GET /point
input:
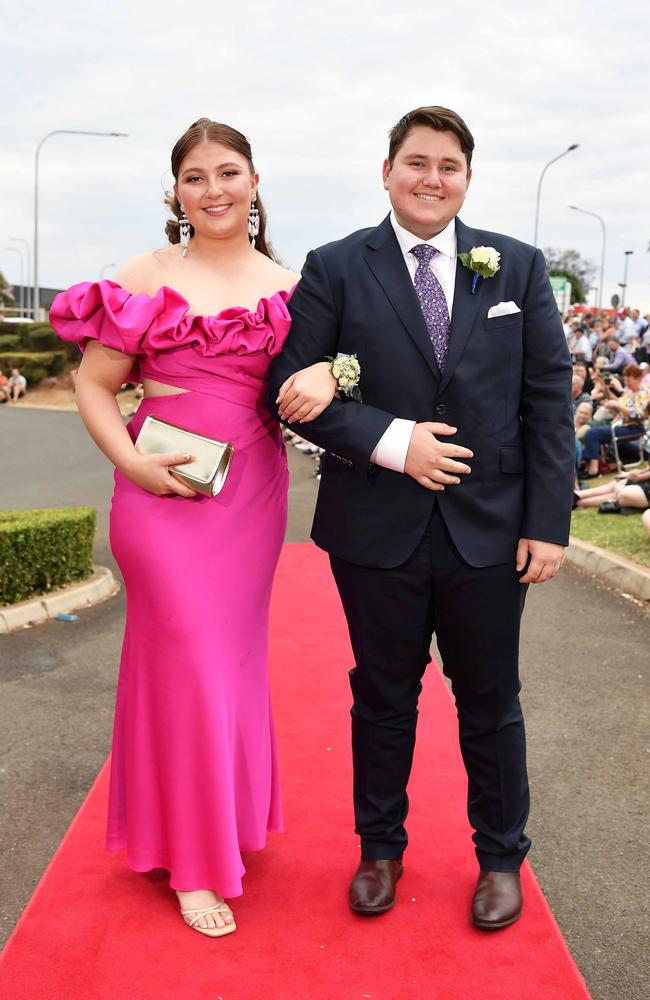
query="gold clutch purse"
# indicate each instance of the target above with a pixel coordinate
(211, 459)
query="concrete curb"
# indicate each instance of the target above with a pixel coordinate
(96, 588)
(613, 570)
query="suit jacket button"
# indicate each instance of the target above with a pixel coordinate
(441, 408)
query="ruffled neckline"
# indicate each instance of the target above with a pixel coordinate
(230, 312)
(137, 323)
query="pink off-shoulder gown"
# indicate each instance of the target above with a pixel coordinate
(194, 773)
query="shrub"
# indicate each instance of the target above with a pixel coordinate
(37, 375)
(10, 342)
(42, 339)
(41, 550)
(52, 361)
(16, 330)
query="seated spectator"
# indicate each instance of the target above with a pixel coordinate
(646, 336)
(629, 412)
(582, 418)
(4, 388)
(619, 357)
(17, 385)
(578, 392)
(596, 334)
(631, 491)
(580, 346)
(584, 371)
(573, 329)
(605, 386)
(602, 347)
(627, 329)
(640, 322)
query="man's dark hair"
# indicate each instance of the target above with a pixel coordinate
(440, 120)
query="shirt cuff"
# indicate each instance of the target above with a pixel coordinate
(393, 445)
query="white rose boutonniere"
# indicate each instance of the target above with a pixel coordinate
(483, 261)
(347, 371)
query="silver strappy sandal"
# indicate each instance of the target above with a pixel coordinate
(220, 907)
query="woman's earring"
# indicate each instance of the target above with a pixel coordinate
(253, 220)
(184, 223)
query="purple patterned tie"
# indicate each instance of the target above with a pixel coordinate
(433, 302)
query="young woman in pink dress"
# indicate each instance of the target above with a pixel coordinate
(194, 774)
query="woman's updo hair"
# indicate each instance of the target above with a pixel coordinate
(201, 131)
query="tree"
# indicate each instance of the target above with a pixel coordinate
(570, 264)
(7, 297)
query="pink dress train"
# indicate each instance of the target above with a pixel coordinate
(194, 773)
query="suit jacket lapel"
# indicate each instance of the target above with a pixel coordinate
(386, 261)
(465, 305)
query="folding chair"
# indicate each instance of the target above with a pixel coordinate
(638, 438)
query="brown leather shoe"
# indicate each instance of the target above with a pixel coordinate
(372, 889)
(497, 900)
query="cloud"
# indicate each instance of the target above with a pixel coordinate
(316, 87)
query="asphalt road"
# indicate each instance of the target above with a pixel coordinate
(584, 670)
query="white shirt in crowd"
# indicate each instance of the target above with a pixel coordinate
(581, 345)
(393, 446)
(626, 330)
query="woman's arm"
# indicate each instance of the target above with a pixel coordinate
(101, 373)
(304, 396)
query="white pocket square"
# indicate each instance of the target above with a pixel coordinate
(503, 309)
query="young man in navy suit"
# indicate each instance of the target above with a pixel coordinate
(446, 489)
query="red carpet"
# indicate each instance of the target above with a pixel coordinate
(96, 931)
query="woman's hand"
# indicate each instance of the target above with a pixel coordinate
(305, 395)
(151, 473)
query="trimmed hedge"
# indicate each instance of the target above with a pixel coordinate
(10, 342)
(43, 549)
(42, 339)
(32, 365)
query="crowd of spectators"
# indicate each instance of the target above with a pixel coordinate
(611, 400)
(306, 447)
(12, 387)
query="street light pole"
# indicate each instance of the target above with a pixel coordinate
(28, 269)
(59, 131)
(602, 255)
(539, 185)
(21, 305)
(628, 254)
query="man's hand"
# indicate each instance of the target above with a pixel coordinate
(432, 463)
(546, 558)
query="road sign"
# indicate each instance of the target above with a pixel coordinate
(562, 291)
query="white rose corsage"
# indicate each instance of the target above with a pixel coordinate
(347, 371)
(483, 261)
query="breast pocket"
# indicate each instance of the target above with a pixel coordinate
(512, 320)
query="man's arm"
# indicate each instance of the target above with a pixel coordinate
(546, 414)
(346, 428)
(350, 431)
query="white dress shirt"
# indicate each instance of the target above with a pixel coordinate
(393, 446)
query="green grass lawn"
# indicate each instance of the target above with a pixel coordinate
(617, 533)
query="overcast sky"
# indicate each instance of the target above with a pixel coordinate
(316, 88)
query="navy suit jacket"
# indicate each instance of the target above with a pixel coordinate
(506, 387)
